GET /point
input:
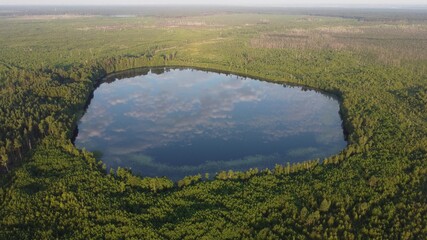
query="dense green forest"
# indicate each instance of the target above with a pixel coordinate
(375, 62)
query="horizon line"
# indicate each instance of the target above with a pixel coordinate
(348, 6)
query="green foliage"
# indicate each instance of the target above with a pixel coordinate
(188, 180)
(375, 188)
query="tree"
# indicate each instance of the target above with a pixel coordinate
(4, 161)
(17, 145)
(324, 205)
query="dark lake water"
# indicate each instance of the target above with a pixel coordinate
(178, 122)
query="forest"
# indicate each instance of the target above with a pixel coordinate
(375, 62)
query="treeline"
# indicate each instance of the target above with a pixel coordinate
(35, 104)
(92, 203)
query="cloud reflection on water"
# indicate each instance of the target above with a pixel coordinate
(133, 115)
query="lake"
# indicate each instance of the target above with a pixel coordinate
(178, 122)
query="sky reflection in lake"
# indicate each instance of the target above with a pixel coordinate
(181, 121)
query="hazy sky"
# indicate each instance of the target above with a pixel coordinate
(216, 2)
